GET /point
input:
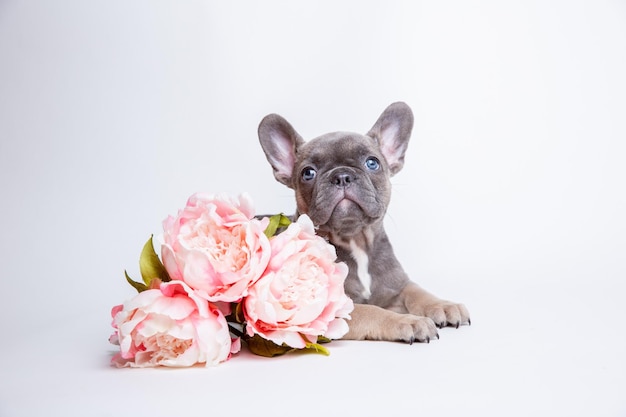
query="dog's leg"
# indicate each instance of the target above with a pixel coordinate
(444, 313)
(370, 322)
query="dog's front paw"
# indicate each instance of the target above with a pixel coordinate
(410, 328)
(445, 313)
(370, 322)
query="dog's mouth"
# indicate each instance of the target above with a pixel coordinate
(345, 210)
(344, 201)
(347, 207)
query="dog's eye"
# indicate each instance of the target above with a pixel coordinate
(308, 173)
(372, 164)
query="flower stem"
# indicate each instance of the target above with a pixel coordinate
(236, 331)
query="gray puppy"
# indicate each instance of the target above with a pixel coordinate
(342, 182)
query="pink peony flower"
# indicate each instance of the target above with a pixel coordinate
(170, 326)
(216, 246)
(301, 295)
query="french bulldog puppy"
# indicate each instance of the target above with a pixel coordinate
(342, 182)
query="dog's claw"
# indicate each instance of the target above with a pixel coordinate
(427, 339)
(437, 336)
(411, 340)
(469, 322)
(458, 323)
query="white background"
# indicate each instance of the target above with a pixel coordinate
(512, 199)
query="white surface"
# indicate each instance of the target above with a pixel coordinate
(512, 199)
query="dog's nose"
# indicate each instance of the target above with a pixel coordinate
(343, 179)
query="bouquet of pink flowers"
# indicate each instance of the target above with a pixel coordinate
(225, 276)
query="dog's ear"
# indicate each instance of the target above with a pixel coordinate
(392, 131)
(280, 143)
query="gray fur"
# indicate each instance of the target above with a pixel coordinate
(347, 200)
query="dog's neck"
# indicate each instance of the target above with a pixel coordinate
(359, 247)
(363, 237)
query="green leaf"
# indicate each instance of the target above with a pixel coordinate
(139, 286)
(269, 349)
(276, 221)
(264, 347)
(317, 348)
(150, 265)
(284, 221)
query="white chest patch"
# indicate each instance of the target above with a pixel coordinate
(362, 268)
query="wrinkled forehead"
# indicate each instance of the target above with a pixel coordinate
(336, 147)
